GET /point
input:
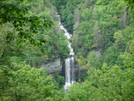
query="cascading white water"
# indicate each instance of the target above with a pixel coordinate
(67, 74)
(69, 62)
(72, 70)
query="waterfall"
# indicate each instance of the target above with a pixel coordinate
(69, 62)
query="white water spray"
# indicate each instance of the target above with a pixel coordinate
(69, 62)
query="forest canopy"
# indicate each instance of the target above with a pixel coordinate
(102, 39)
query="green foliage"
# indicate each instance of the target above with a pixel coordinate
(25, 34)
(86, 13)
(102, 25)
(106, 27)
(59, 81)
(67, 11)
(25, 25)
(105, 84)
(94, 60)
(97, 26)
(21, 82)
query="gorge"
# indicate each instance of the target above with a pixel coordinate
(93, 63)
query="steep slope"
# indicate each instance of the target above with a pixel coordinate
(103, 39)
(97, 25)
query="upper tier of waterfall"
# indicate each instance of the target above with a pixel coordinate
(67, 35)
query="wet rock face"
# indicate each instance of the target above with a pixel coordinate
(53, 66)
(62, 72)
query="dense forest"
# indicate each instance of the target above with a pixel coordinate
(102, 39)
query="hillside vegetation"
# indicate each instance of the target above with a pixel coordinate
(103, 42)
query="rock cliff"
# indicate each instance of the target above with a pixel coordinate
(53, 66)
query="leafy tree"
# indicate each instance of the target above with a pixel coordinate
(94, 59)
(22, 28)
(86, 14)
(107, 83)
(105, 26)
(19, 18)
(59, 81)
(21, 82)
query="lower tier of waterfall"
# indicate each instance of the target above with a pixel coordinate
(69, 72)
